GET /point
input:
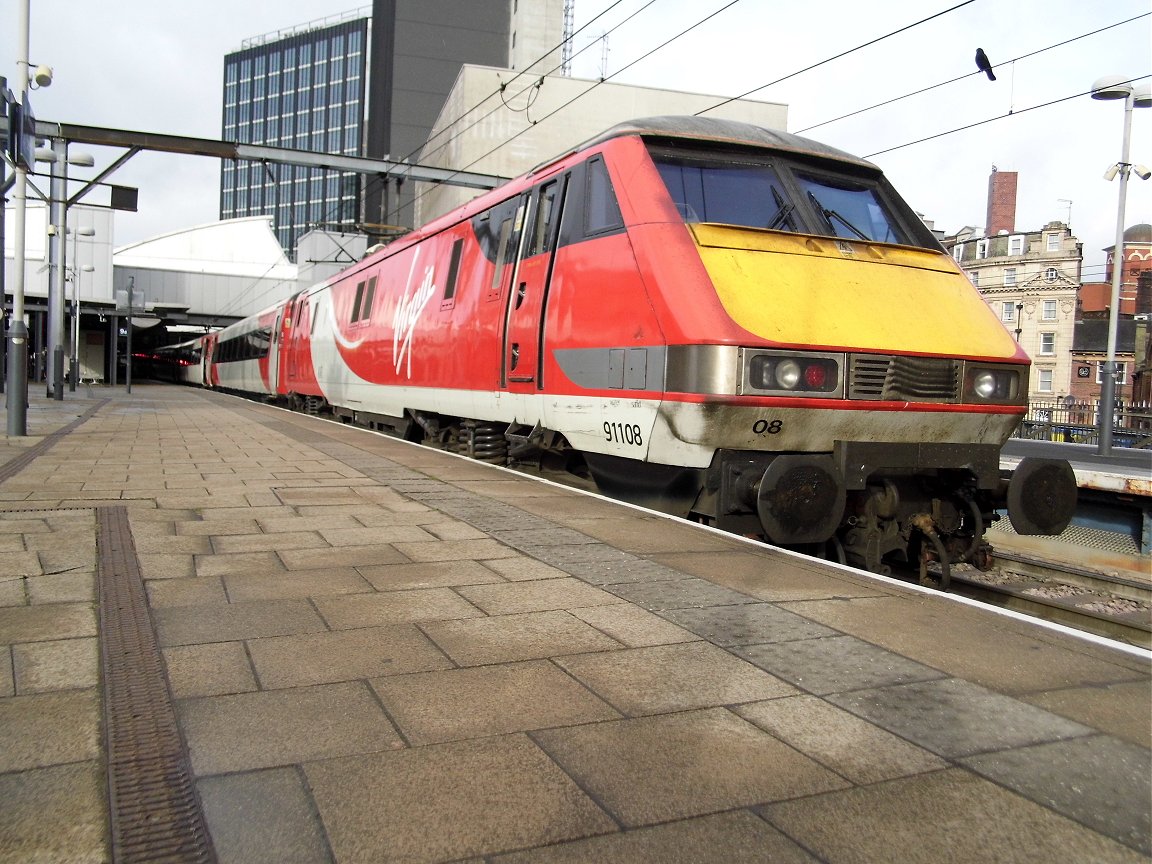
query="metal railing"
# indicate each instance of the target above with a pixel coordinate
(1078, 422)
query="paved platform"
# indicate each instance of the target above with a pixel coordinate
(378, 652)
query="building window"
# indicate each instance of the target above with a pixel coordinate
(1121, 372)
(1016, 245)
(1047, 344)
(1052, 242)
(981, 249)
(974, 277)
(1009, 275)
(1007, 311)
(1051, 274)
(958, 251)
(1049, 310)
(1043, 380)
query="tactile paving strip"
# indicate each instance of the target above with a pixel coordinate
(14, 466)
(154, 812)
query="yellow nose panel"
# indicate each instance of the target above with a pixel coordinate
(820, 291)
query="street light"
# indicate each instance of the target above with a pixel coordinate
(57, 253)
(17, 425)
(1108, 88)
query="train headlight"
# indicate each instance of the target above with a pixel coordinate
(997, 384)
(787, 374)
(793, 373)
(984, 384)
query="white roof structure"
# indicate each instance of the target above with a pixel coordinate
(231, 247)
(234, 267)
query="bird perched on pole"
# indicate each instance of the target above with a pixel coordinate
(983, 64)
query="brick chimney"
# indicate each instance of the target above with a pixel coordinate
(1001, 203)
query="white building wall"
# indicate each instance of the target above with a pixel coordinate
(477, 119)
(94, 251)
(534, 35)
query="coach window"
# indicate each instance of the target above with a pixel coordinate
(601, 211)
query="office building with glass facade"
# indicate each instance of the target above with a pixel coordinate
(305, 91)
(362, 86)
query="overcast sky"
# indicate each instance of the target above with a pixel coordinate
(157, 67)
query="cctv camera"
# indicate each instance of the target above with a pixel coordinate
(42, 77)
(1111, 173)
(1142, 172)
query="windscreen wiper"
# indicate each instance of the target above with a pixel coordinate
(783, 212)
(829, 215)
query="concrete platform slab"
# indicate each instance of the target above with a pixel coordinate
(434, 707)
(651, 770)
(666, 678)
(1066, 777)
(930, 818)
(263, 817)
(243, 731)
(955, 718)
(436, 803)
(734, 838)
(507, 638)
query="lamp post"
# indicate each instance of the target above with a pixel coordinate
(74, 370)
(17, 329)
(57, 255)
(1109, 88)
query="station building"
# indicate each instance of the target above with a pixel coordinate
(1029, 278)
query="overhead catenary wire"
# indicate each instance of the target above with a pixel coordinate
(1013, 113)
(499, 92)
(836, 57)
(969, 74)
(594, 85)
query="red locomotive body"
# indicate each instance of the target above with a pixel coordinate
(734, 324)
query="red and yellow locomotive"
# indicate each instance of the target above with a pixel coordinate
(737, 325)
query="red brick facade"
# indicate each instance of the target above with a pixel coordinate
(1001, 203)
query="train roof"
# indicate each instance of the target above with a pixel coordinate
(688, 128)
(727, 131)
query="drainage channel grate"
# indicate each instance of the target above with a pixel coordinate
(154, 812)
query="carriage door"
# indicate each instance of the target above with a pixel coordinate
(290, 349)
(524, 321)
(276, 341)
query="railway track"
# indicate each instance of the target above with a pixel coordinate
(1112, 606)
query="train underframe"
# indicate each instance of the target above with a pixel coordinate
(869, 505)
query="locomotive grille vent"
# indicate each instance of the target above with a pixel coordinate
(904, 379)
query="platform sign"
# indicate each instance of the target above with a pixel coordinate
(7, 104)
(21, 133)
(124, 198)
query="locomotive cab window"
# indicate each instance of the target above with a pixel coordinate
(727, 192)
(850, 209)
(601, 211)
